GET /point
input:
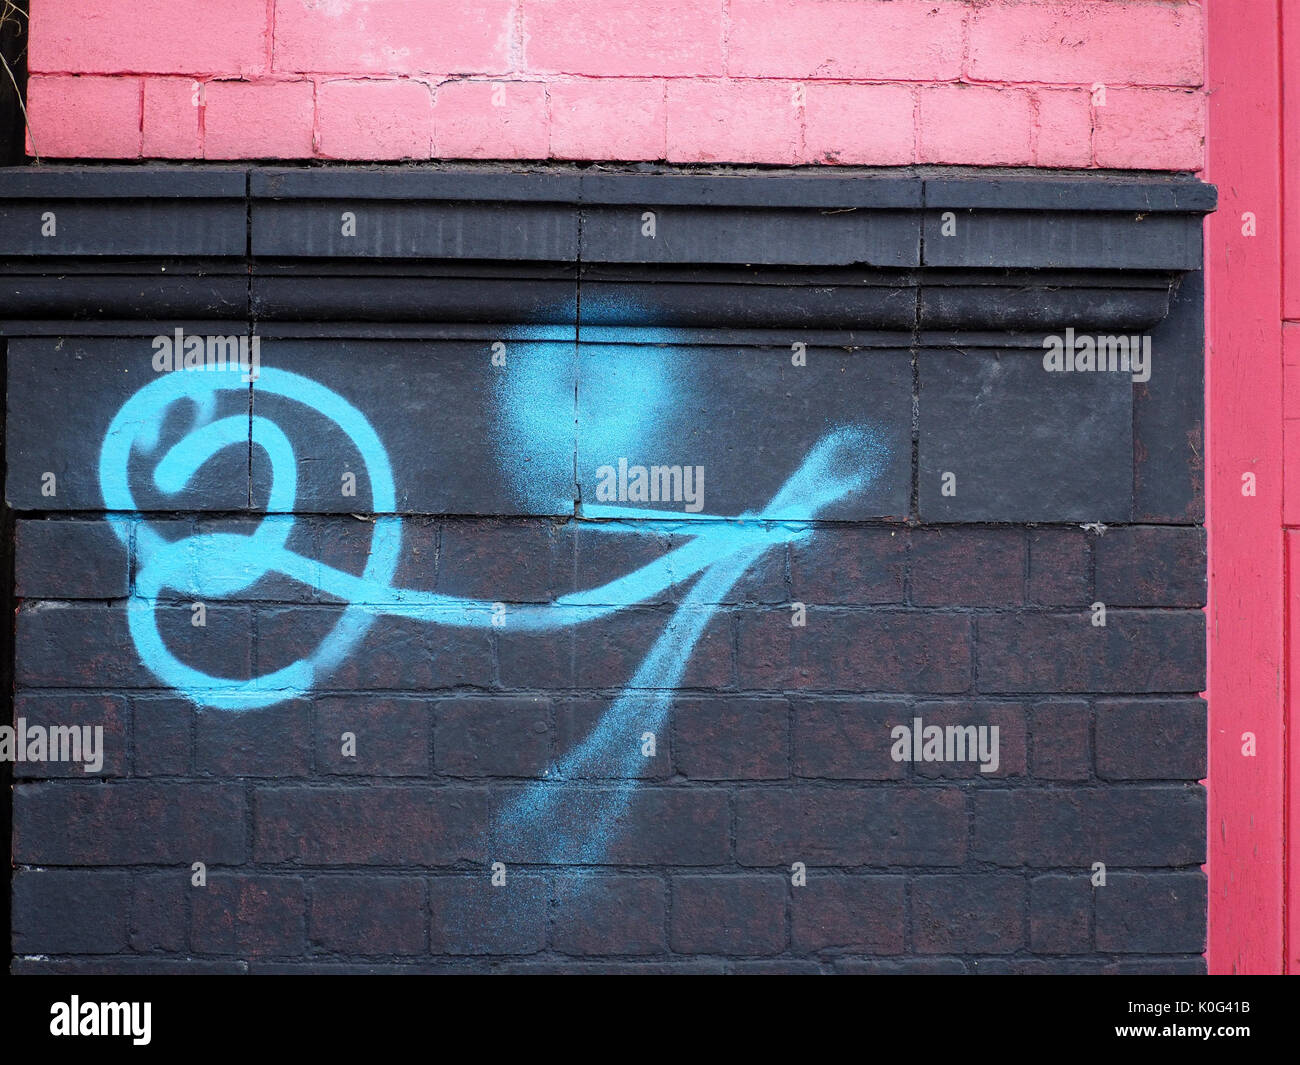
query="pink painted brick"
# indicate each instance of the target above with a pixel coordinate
(608, 118)
(374, 120)
(1156, 129)
(623, 38)
(914, 40)
(1064, 128)
(468, 125)
(149, 36)
(874, 125)
(733, 122)
(1085, 41)
(393, 36)
(171, 118)
(84, 117)
(975, 125)
(258, 120)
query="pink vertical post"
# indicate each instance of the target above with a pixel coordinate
(1247, 603)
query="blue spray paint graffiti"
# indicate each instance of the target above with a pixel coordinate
(569, 824)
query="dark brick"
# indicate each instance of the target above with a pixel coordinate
(68, 560)
(461, 657)
(1169, 413)
(158, 912)
(470, 916)
(743, 915)
(164, 736)
(968, 567)
(611, 650)
(1060, 914)
(275, 742)
(395, 654)
(777, 967)
(968, 914)
(1135, 651)
(1152, 913)
(863, 913)
(1059, 567)
(393, 735)
(128, 822)
(900, 967)
(373, 968)
(656, 825)
(847, 739)
(617, 968)
(251, 916)
(63, 393)
(382, 825)
(538, 660)
(611, 915)
(1158, 967)
(694, 403)
(1151, 739)
(83, 645)
(368, 915)
(1038, 967)
(850, 826)
(1062, 740)
(224, 556)
(1024, 444)
(1076, 827)
(576, 720)
(498, 561)
(591, 555)
(1007, 718)
(732, 739)
(1151, 566)
(52, 710)
(479, 461)
(344, 542)
(128, 966)
(842, 565)
(497, 737)
(838, 650)
(70, 911)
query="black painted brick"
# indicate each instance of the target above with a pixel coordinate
(68, 560)
(1150, 913)
(968, 914)
(1148, 826)
(375, 915)
(968, 567)
(129, 822)
(248, 916)
(393, 735)
(732, 739)
(861, 913)
(611, 915)
(1136, 651)
(65, 911)
(470, 916)
(1151, 566)
(492, 737)
(1060, 914)
(1151, 739)
(841, 650)
(737, 915)
(850, 826)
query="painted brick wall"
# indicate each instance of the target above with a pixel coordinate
(1057, 83)
(775, 747)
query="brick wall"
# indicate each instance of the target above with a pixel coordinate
(1060, 83)
(775, 747)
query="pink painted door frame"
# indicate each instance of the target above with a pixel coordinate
(1253, 422)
